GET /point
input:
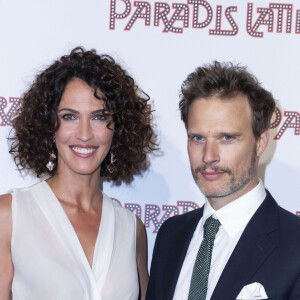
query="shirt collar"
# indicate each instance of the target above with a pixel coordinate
(235, 215)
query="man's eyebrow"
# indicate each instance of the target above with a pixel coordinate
(233, 134)
(191, 135)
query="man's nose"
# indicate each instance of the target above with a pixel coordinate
(211, 152)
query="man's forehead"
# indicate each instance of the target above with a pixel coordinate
(238, 100)
(229, 97)
(214, 111)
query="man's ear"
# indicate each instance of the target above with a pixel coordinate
(262, 142)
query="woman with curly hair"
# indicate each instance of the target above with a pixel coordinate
(62, 238)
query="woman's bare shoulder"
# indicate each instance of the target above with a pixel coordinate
(5, 212)
(5, 204)
(6, 265)
(6, 197)
(141, 257)
(5, 221)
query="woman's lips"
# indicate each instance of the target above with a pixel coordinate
(83, 151)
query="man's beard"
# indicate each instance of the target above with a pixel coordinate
(235, 184)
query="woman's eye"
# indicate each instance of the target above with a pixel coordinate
(68, 117)
(100, 117)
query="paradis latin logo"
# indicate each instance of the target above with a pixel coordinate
(288, 120)
(8, 109)
(155, 215)
(220, 19)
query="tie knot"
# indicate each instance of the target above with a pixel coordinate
(211, 227)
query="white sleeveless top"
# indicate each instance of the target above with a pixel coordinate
(49, 262)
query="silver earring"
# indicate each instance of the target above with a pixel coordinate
(111, 167)
(51, 163)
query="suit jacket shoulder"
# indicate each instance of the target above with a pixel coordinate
(289, 221)
(171, 245)
(268, 253)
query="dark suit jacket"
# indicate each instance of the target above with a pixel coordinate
(268, 252)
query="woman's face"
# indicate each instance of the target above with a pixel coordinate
(83, 139)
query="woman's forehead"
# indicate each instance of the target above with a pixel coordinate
(79, 94)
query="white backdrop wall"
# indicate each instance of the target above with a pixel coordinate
(160, 43)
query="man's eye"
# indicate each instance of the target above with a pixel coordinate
(68, 117)
(227, 138)
(198, 138)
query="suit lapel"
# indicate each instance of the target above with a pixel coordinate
(255, 245)
(178, 250)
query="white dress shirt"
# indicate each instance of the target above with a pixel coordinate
(234, 218)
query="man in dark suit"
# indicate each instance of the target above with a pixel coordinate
(240, 244)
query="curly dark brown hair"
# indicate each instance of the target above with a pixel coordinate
(226, 80)
(37, 120)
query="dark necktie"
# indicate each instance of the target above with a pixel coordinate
(199, 281)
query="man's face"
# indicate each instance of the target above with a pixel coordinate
(222, 149)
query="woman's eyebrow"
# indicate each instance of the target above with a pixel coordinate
(98, 111)
(69, 109)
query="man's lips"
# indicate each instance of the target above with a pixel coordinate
(213, 175)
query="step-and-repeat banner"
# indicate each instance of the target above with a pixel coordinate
(160, 43)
